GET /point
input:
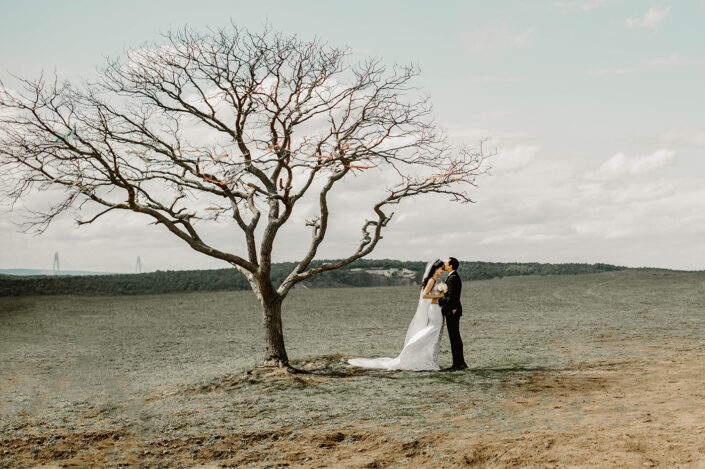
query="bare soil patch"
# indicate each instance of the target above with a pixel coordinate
(638, 413)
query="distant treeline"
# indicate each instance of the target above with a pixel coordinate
(172, 281)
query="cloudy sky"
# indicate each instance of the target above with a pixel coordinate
(595, 107)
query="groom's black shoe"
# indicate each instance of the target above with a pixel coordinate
(457, 368)
(450, 368)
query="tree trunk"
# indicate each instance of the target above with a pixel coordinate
(275, 352)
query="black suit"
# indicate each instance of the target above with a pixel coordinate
(450, 302)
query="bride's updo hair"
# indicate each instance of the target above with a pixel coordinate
(437, 264)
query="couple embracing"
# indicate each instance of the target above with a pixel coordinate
(439, 303)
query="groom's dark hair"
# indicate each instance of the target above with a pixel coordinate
(453, 263)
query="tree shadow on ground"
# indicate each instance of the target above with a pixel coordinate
(322, 370)
(336, 366)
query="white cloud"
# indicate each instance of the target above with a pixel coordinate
(601, 72)
(674, 60)
(8, 95)
(527, 234)
(493, 79)
(515, 158)
(544, 210)
(642, 192)
(652, 19)
(584, 5)
(621, 164)
(138, 58)
(660, 208)
(499, 113)
(361, 51)
(493, 138)
(687, 136)
(495, 39)
(670, 61)
(596, 228)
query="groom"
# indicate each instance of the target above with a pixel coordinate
(452, 310)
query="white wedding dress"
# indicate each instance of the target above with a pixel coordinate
(422, 343)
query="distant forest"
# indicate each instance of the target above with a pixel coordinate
(362, 273)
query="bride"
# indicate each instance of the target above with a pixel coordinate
(423, 338)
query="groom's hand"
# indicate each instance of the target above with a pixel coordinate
(454, 311)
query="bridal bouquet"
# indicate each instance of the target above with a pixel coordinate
(443, 288)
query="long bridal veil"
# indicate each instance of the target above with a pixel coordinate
(420, 319)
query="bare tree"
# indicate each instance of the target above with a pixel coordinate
(230, 123)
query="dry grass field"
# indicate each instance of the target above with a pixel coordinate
(598, 370)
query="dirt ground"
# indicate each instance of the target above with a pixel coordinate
(636, 413)
(602, 370)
